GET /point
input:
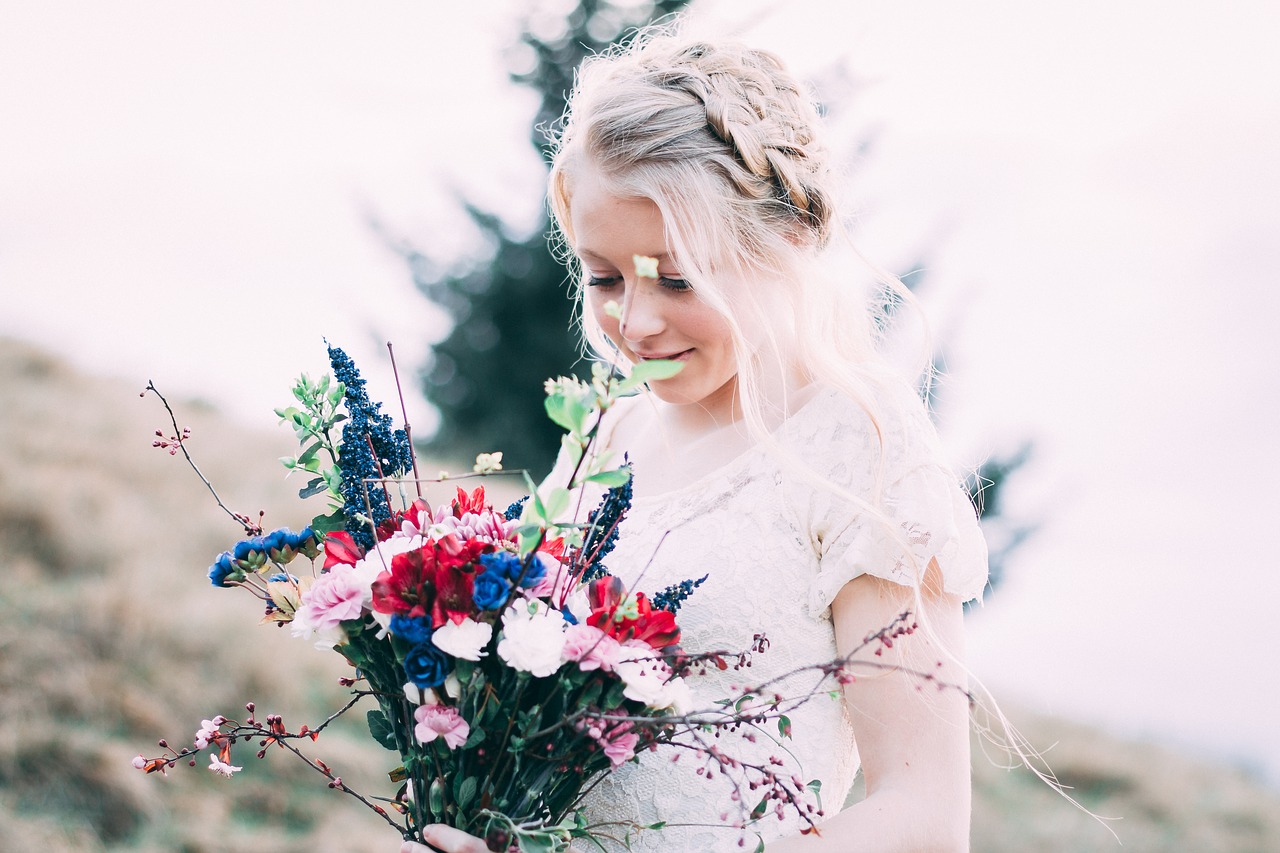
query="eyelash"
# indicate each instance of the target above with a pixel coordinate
(677, 285)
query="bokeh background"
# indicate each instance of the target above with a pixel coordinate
(1083, 195)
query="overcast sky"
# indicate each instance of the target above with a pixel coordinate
(185, 192)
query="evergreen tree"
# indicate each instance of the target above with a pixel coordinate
(512, 313)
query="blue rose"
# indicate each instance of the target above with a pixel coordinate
(221, 569)
(426, 666)
(413, 630)
(490, 591)
(510, 566)
(533, 574)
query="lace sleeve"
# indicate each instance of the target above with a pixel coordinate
(922, 512)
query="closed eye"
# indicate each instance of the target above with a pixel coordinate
(603, 281)
(676, 284)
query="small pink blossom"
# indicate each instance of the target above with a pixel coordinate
(139, 763)
(617, 739)
(221, 767)
(441, 721)
(208, 731)
(590, 647)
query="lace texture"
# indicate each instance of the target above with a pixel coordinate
(777, 550)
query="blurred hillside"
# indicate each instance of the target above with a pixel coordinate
(110, 637)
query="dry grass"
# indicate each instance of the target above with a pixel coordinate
(111, 637)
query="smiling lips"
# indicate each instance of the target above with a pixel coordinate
(678, 356)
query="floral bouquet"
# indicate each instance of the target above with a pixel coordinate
(509, 670)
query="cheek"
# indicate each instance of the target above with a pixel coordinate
(595, 303)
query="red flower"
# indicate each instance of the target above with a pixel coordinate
(432, 580)
(629, 617)
(473, 502)
(340, 548)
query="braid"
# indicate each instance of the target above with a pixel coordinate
(734, 108)
(754, 106)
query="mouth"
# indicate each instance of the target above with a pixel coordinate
(682, 355)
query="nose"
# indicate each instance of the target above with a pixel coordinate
(641, 313)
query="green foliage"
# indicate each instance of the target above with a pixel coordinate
(512, 315)
(314, 423)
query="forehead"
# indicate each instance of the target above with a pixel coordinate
(607, 225)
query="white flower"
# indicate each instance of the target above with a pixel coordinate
(487, 463)
(532, 638)
(646, 267)
(221, 767)
(464, 640)
(420, 695)
(452, 686)
(650, 681)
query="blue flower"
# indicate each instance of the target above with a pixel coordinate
(491, 589)
(509, 566)
(221, 569)
(413, 630)
(426, 666)
(245, 548)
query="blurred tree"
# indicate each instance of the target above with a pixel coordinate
(511, 313)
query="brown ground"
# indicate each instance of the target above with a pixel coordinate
(110, 637)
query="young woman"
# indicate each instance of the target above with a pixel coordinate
(786, 461)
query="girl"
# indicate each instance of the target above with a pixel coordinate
(786, 461)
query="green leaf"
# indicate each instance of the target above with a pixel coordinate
(322, 524)
(815, 786)
(784, 726)
(381, 729)
(313, 487)
(567, 413)
(474, 739)
(557, 502)
(465, 792)
(612, 479)
(648, 371)
(760, 809)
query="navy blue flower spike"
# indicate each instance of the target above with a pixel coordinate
(366, 425)
(673, 596)
(602, 529)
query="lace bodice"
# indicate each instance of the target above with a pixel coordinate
(776, 550)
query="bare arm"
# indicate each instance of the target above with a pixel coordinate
(913, 738)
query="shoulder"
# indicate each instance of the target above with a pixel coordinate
(863, 434)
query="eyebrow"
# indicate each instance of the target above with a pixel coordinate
(587, 253)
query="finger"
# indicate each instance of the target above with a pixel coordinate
(411, 847)
(451, 840)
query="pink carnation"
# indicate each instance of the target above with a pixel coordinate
(336, 596)
(554, 581)
(441, 721)
(590, 647)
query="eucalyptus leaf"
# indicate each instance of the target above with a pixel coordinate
(612, 479)
(648, 371)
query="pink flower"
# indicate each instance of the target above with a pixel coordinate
(336, 596)
(441, 721)
(139, 762)
(222, 768)
(617, 739)
(554, 581)
(620, 744)
(590, 647)
(208, 731)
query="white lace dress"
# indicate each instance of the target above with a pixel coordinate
(777, 550)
